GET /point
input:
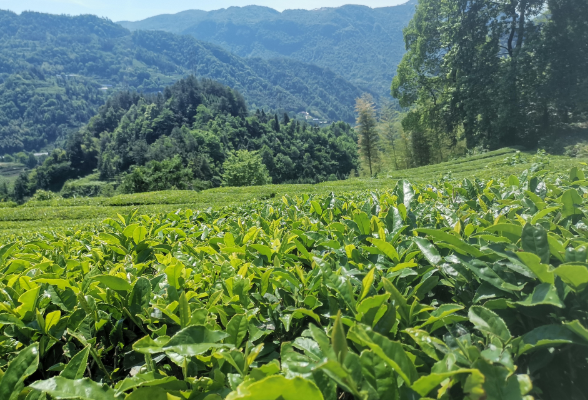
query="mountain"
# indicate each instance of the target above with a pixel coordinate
(55, 71)
(362, 44)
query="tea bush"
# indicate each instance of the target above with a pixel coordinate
(473, 289)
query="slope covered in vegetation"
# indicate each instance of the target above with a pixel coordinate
(55, 72)
(184, 137)
(362, 44)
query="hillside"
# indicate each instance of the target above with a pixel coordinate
(55, 71)
(183, 138)
(362, 44)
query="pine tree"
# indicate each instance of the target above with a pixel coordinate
(366, 129)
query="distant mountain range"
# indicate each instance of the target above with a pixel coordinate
(55, 71)
(362, 44)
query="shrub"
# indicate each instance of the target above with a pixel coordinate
(158, 175)
(43, 195)
(245, 168)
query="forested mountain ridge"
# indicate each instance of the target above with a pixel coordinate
(183, 138)
(55, 71)
(362, 44)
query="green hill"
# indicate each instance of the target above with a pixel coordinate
(183, 138)
(362, 44)
(55, 71)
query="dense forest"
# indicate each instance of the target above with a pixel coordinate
(494, 74)
(55, 72)
(189, 137)
(362, 44)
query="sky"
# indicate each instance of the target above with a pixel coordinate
(134, 10)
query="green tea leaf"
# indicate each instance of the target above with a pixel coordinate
(28, 301)
(556, 248)
(429, 344)
(452, 239)
(425, 384)
(237, 329)
(571, 201)
(548, 335)
(76, 367)
(385, 248)
(114, 282)
(150, 393)
(83, 389)
(534, 240)
(544, 293)
(489, 322)
(428, 250)
(405, 192)
(543, 213)
(316, 207)
(195, 340)
(533, 262)
(391, 352)
(363, 222)
(443, 311)
(185, 314)
(578, 329)
(9, 319)
(263, 250)
(398, 298)
(51, 320)
(339, 339)
(139, 234)
(147, 345)
(366, 284)
(277, 387)
(510, 231)
(574, 274)
(378, 376)
(20, 368)
(140, 295)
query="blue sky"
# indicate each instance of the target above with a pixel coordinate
(134, 10)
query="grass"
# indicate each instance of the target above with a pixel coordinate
(75, 213)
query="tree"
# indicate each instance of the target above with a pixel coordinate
(21, 187)
(31, 161)
(158, 175)
(390, 128)
(366, 129)
(495, 73)
(245, 168)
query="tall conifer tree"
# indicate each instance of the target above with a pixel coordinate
(367, 132)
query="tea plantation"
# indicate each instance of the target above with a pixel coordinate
(465, 280)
